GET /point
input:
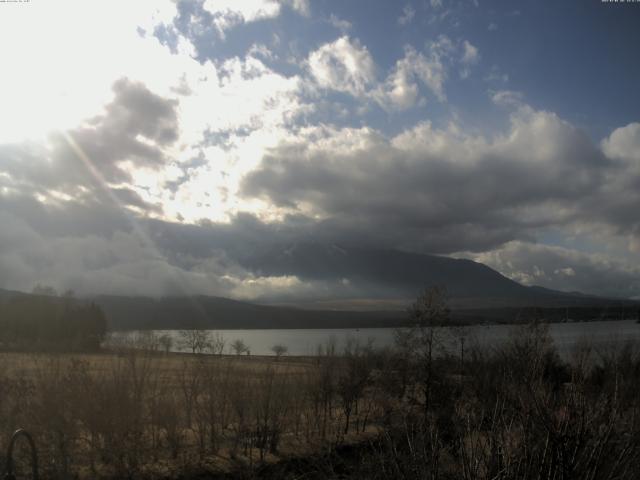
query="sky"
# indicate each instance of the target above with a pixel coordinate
(162, 147)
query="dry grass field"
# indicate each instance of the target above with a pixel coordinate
(135, 413)
(515, 412)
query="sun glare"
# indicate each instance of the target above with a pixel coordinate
(58, 65)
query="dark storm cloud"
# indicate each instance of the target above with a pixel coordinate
(101, 250)
(437, 191)
(127, 196)
(356, 200)
(621, 205)
(134, 128)
(73, 218)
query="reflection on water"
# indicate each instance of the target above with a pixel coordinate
(601, 334)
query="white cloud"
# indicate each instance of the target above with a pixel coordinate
(241, 100)
(470, 57)
(230, 13)
(301, 6)
(537, 264)
(260, 49)
(624, 143)
(506, 98)
(400, 89)
(496, 76)
(566, 271)
(408, 12)
(248, 110)
(347, 66)
(431, 69)
(457, 188)
(621, 188)
(343, 65)
(343, 25)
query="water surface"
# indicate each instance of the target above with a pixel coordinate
(601, 334)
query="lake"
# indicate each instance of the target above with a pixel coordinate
(601, 334)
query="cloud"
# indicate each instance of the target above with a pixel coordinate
(423, 188)
(136, 130)
(227, 14)
(69, 76)
(347, 66)
(564, 269)
(507, 98)
(343, 25)
(470, 57)
(159, 120)
(343, 65)
(401, 89)
(619, 196)
(408, 12)
(120, 258)
(496, 76)
(169, 149)
(195, 27)
(624, 143)
(301, 6)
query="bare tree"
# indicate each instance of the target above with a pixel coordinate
(239, 347)
(166, 342)
(146, 340)
(217, 344)
(195, 340)
(353, 378)
(428, 312)
(460, 334)
(279, 350)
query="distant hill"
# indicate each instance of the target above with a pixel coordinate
(215, 312)
(401, 273)
(476, 293)
(127, 313)
(9, 293)
(397, 274)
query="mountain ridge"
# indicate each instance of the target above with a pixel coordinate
(476, 293)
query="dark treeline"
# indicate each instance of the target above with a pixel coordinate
(166, 313)
(203, 312)
(621, 311)
(42, 322)
(140, 313)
